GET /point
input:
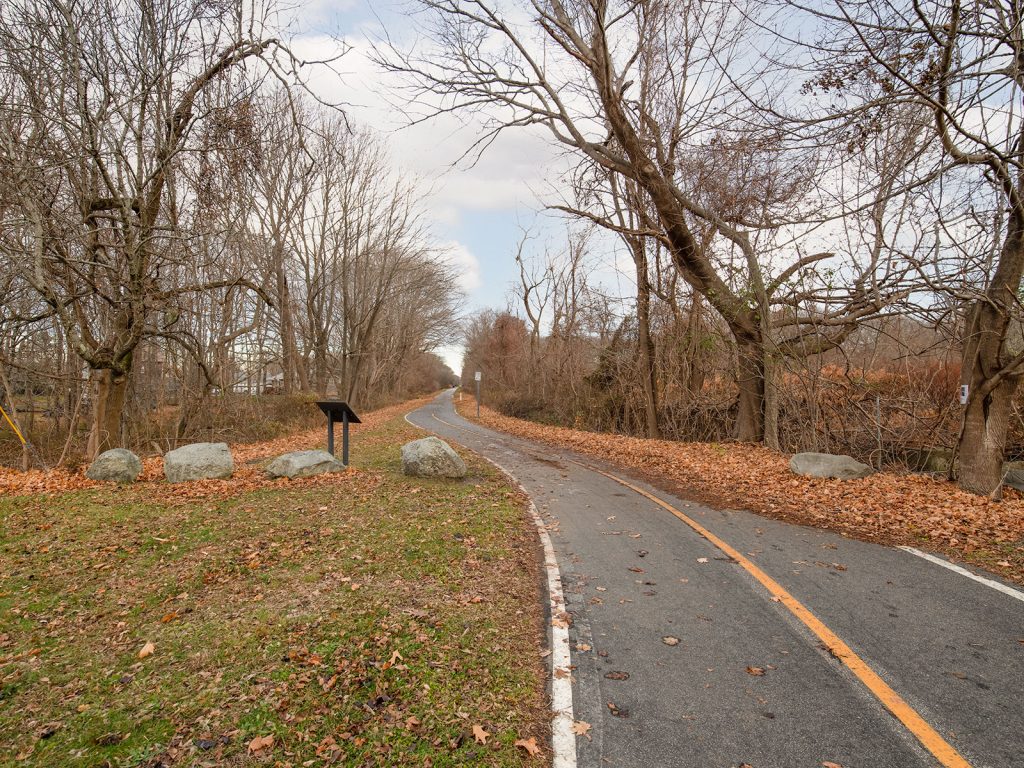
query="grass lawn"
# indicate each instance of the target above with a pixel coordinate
(372, 620)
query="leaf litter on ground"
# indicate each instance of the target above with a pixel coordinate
(312, 619)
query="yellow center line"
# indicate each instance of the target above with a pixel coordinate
(930, 739)
(923, 732)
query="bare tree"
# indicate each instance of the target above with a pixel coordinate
(103, 99)
(959, 63)
(651, 92)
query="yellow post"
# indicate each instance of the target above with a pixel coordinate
(13, 425)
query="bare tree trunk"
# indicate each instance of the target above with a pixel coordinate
(695, 347)
(109, 390)
(287, 328)
(983, 440)
(993, 379)
(771, 401)
(750, 402)
(648, 373)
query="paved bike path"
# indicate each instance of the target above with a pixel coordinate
(634, 574)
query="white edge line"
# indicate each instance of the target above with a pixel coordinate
(563, 742)
(1018, 595)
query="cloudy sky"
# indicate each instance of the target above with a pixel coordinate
(478, 211)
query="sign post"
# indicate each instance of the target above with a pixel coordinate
(338, 411)
(477, 378)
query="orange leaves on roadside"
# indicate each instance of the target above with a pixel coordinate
(886, 507)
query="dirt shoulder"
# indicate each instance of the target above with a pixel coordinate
(888, 508)
(364, 619)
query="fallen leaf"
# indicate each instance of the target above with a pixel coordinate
(755, 671)
(828, 764)
(147, 650)
(669, 640)
(530, 745)
(581, 728)
(702, 559)
(260, 743)
(480, 734)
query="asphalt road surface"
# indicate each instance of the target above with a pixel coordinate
(751, 680)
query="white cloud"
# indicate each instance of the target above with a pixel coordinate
(465, 263)
(516, 168)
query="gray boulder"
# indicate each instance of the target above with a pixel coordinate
(828, 465)
(118, 465)
(199, 461)
(431, 457)
(1013, 475)
(303, 464)
(929, 459)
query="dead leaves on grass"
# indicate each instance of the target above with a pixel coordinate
(529, 745)
(248, 473)
(260, 743)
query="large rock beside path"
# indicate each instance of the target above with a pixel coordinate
(829, 465)
(199, 461)
(303, 464)
(1013, 475)
(431, 457)
(118, 465)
